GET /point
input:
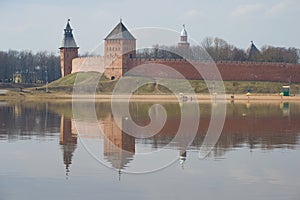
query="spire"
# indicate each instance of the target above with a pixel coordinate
(68, 30)
(68, 40)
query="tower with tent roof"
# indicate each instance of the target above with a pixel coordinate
(253, 52)
(68, 50)
(119, 48)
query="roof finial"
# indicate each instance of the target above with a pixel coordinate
(121, 19)
(69, 20)
(251, 41)
(183, 26)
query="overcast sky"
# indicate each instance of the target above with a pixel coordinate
(38, 24)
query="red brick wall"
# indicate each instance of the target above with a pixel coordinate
(230, 71)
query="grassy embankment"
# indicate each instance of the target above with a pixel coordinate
(106, 86)
(63, 87)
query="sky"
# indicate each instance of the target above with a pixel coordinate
(38, 25)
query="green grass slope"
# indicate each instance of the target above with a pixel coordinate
(88, 80)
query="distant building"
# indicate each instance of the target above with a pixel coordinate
(17, 78)
(25, 77)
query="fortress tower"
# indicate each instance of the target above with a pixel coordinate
(253, 52)
(183, 39)
(119, 48)
(68, 51)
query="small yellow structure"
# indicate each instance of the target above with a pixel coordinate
(17, 78)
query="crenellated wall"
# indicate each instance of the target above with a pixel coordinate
(254, 71)
(230, 71)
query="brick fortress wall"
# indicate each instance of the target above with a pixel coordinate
(85, 64)
(230, 71)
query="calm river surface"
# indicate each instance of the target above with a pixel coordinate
(46, 154)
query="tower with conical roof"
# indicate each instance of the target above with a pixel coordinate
(68, 50)
(183, 43)
(253, 53)
(119, 48)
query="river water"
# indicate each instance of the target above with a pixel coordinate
(46, 153)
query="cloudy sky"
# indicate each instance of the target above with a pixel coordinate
(38, 24)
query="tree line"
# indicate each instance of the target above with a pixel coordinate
(30, 67)
(218, 49)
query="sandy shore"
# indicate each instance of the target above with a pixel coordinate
(149, 98)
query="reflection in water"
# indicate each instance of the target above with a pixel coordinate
(285, 107)
(182, 157)
(68, 141)
(257, 126)
(20, 121)
(38, 145)
(264, 126)
(119, 147)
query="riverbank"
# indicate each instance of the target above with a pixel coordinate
(60, 96)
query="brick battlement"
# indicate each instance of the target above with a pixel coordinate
(230, 70)
(137, 60)
(89, 57)
(256, 63)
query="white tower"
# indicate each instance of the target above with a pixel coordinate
(183, 39)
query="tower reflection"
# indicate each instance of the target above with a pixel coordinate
(119, 147)
(68, 141)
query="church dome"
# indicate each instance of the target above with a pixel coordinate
(183, 32)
